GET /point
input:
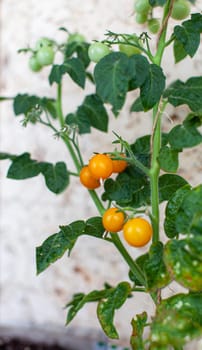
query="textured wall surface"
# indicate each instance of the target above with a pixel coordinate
(29, 212)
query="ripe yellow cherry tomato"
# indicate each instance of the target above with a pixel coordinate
(113, 220)
(87, 179)
(100, 166)
(119, 165)
(137, 232)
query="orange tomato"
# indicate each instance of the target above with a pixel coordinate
(137, 232)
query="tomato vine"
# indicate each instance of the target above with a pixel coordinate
(135, 178)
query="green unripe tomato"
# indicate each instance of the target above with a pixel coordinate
(142, 6)
(181, 9)
(76, 37)
(43, 42)
(141, 18)
(45, 56)
(97, 51)
(34, 64)
(130, 50)
(153, 25)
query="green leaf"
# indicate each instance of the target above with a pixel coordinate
(189, 215)
(137, 106)
(97, 113)
(49, 105)
(80, 49)
(187, 134)
(168, 184)
(185, 262)
(56, 176)
(153, 267)
(57, 244)
(141, 145)
(152, 89)
(188, 34)
(168, 159)
(140, 261)
(179, 51)
(51, 250)
(189, 93)
(23, 103)
(80, 299)
(78, 120)
(94, 111)
(4, 155)
(178, 319)
(138, 324)
(172, 209)
(106, 308)
(129, 188)
(23, 167)
(74, 67)
(140, 68)
(112, 74)
(91, 113)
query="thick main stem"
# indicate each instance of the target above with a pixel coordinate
(156, 135)
(154, 173)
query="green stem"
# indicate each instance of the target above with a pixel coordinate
(156, 134)
(59, 105)
(101, 209)
(162, 36)
(154, 173)
(131, 263)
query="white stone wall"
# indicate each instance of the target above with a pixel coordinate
(29, 212)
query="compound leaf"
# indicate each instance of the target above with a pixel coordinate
(184, 312)
(183, 259)
(106, 308)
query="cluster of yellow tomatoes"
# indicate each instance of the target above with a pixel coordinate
(137, 231)
(100, 167)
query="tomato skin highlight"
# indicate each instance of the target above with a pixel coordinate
(87, 180)
(100, 166)
(113, 220)
(137, 232)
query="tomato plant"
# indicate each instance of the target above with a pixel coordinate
(113, 220)
(143, 200)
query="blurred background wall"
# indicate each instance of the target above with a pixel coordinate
(29, 212)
